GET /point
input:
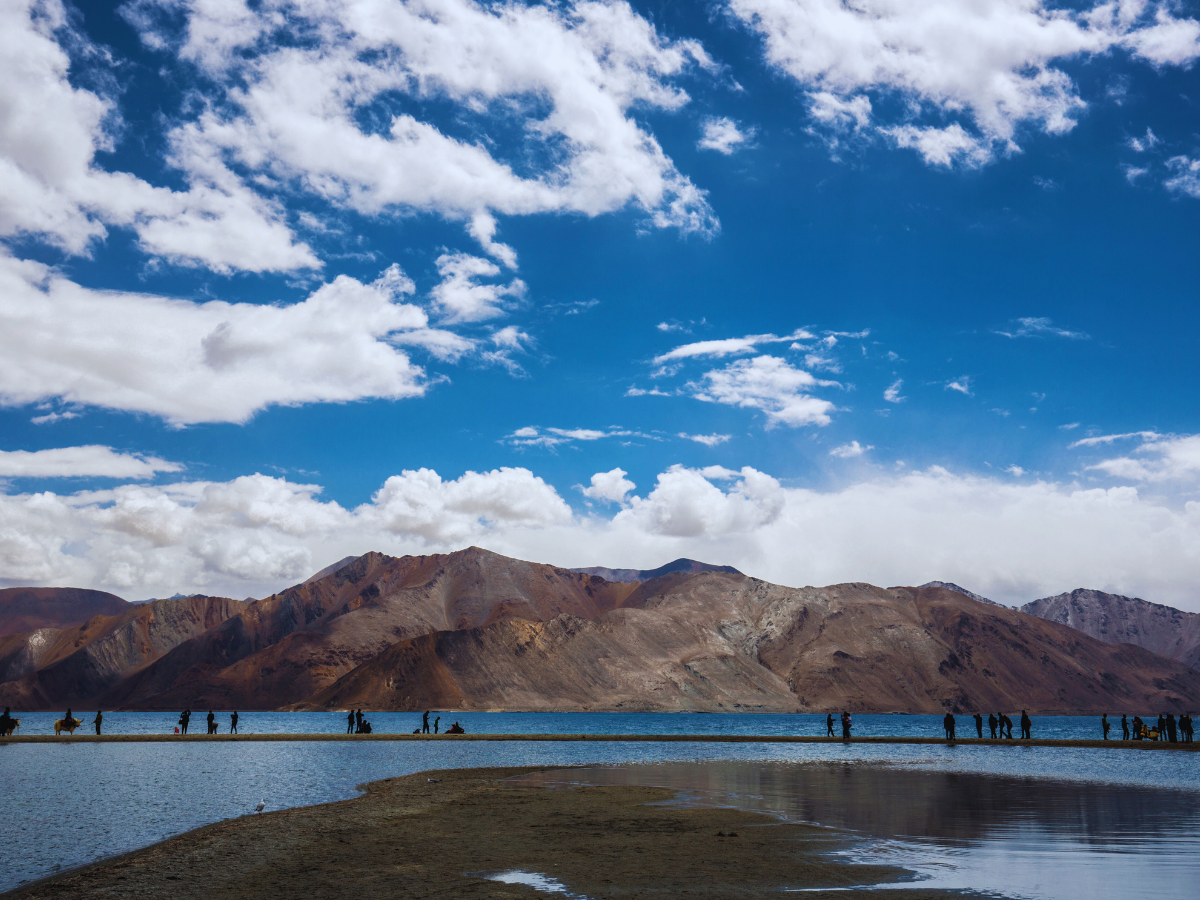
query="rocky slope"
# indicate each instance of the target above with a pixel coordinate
(50, 667)
(25, 609)
(1125, 620)
(475, 630)
(679, 565)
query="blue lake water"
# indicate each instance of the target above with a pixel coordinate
(69, 804)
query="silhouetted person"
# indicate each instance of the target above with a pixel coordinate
(233, 723)
(212, 722)
(948, 724)
(425, 723)
(992, 723)
(1186, 727)
(1104, 725)
(1162, 727)
(1172, 734)
(6, 720)
(435, 724)
(1124, 727)
(845, 725)
(98, 720)
(979, 726)
(358, 720)
(1006, 726)
(1026, 727)
(1139, 728)
(68, 718)
(829, 725)
(184, 718)
(350, 722)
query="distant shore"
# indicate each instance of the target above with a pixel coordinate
(452, 832)
(651, 738)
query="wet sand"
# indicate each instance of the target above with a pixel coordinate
(410, 837)
(653, 738)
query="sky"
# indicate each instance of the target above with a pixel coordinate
(888, 291)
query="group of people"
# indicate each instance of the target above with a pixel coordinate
(356, 723)
(185, 718)
(1000, 726)
(847, 724)
(1165, 729)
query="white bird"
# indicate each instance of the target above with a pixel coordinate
(261, 805)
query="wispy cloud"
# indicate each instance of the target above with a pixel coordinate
(91, 461)
(708, 440)
(850, 450)
(892, 393)
(962, 385)
(731, 346)
(530, 436)
(1039, 326)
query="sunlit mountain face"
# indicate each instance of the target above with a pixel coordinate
(885, 292)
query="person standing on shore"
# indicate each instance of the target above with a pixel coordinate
(1124, 726)
(845, 724)
(1104, 725)
(1185, 726)
(948, 726)
(1026, 727)
(358, 720)
(212, 722)
(1172, 734)
(1006, 726)
(992, 723)
(979, 726)
(233, 723)
(350, 722)
(425, 723)
(98, 720)
(435, 724)
(1162, 727)
(829, 725)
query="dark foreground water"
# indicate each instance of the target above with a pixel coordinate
(1018, 837)
(68, 804)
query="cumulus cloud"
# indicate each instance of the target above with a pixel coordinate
(1013, 540)
(958, 106)
(708, 440)
(769, 384)
(1039, 326)
(961, 385)
(850, 450)
(208, 362)
(52, 187)
(724, 135)
(302, 95)
(610, 486)
(554, 437)
(730, 346)
(460, 297)
(892, 393)
(1158, 458)
(87, 461)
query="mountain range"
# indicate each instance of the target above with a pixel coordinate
(476, 630)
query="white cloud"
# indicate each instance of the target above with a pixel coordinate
(295, 82)
(975, 72)
(207, 362)
(1111, 438)
(1141, 145)
(51, 417)
(850, 450)
(962, 385)
(1011, 539)
(1069, 426)
(1158, 458)
(730, 346)
(636, 391)
(1015, 471)
(708, 440)
(87, 461)
(554, 437)
(1039, 326)
(769, 384)
(52, 187)
(462, 298)
(892, 393)
(724, 135)
(611, 486)
(1185, 177)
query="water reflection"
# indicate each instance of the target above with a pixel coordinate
(1021, 837)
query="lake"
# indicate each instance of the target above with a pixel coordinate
(69, 804)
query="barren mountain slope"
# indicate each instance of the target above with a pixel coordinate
(683, 564)
(72, 665)
(25, 609)
(1125, 620)
(717, 641)
(284, 648)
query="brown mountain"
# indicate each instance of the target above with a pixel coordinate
(50, 668)
(682, 564)
(24, 609)
(475, 630)
(720, 641)
(1162, 629)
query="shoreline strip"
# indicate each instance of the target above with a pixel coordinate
(630, 738)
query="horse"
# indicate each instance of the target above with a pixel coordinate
(11, 726)
(67, 725)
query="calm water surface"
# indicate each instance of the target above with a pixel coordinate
(69, 804)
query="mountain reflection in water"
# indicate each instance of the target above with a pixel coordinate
(1017, 837)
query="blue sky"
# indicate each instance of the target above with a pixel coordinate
(893, 293)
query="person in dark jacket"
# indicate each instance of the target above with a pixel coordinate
(992, 723)
(425, 723)
(1172, 734)
(979, 726)
(350, 722)
(1026, 727)
(233, 720)
(1104, 725)
(98, 721)
(212, 722)
(1124, 726)
(1005, 726)
(829, 725)
(845, 725)
(948, 725)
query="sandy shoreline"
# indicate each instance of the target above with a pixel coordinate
(412, 837)
(651, 738)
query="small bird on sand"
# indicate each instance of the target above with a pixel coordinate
(433, 780)
(261, 805)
